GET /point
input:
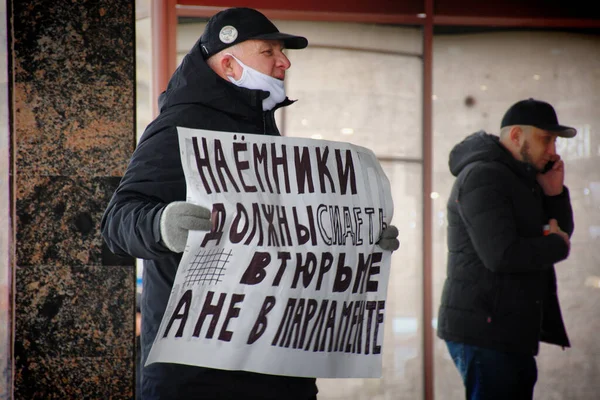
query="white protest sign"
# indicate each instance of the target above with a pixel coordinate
(290, 280)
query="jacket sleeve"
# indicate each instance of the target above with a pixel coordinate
(154, 178)
(485, 206)
(559, 207)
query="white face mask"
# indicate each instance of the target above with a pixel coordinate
(252, 79)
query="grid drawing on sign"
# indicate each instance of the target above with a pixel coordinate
(207, 267)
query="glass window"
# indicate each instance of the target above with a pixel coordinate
(143, 66)
(476, 77)
(352, 86)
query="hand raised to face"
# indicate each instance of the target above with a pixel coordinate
(552, 180)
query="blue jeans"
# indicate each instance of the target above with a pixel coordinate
(494, 375)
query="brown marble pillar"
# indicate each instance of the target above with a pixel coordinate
(73, 123)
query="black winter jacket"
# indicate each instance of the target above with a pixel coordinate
(195, 98)
(500, 291)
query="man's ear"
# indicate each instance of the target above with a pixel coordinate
(515, 134)
(227, 66)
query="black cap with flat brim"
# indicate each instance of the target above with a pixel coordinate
(290, 41)
(536, 113)
(235, 25)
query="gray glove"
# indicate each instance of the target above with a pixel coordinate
(388, 239)
(177, 219)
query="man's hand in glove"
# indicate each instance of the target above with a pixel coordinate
(389, 239)
(177, 219)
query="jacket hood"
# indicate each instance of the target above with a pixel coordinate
(194, 82)
(481, 146)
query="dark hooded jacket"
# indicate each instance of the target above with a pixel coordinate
(196, 97)
(500, 292)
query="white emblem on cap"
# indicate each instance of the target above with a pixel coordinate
(228, 34)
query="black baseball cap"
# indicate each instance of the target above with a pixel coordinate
(235, 25)
(536, 113)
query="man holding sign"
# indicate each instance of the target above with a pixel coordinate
(230, 81)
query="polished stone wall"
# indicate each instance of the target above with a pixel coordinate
(73, 111)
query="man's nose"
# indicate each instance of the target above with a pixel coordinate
(283, 61)
(552, 148)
